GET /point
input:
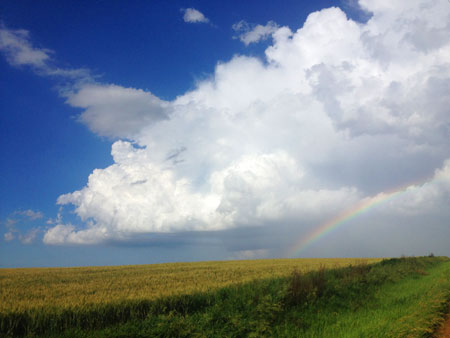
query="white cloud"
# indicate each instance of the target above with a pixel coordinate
(66, 234)
(58, 234)
(338, 112)
(193, 15)
(254, 33)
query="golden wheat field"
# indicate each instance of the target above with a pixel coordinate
(63, 288)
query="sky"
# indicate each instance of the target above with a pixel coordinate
(145, 132)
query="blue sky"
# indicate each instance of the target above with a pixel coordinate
(143, 131)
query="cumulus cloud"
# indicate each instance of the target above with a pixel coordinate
(305, 134)
(192, 15)
(254, 33)
(337, 113)
(144, 197)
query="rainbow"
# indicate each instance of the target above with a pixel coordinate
(351, 213)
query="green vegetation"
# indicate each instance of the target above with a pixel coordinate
(401, 297)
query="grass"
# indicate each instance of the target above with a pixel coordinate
(394, 298)
(406, 299)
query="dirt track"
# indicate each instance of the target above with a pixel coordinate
(444, 332)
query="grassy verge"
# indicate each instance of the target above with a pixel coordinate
(397, 297)
(408, 303)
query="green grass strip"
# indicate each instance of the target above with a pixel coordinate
(411, 307)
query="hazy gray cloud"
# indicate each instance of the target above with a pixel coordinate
(31, 214)
(29, 236)
(254, 33)
(19, 51)
(8, 236)
(17, 223)
(115, 111)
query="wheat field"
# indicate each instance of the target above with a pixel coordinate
(68, 288)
